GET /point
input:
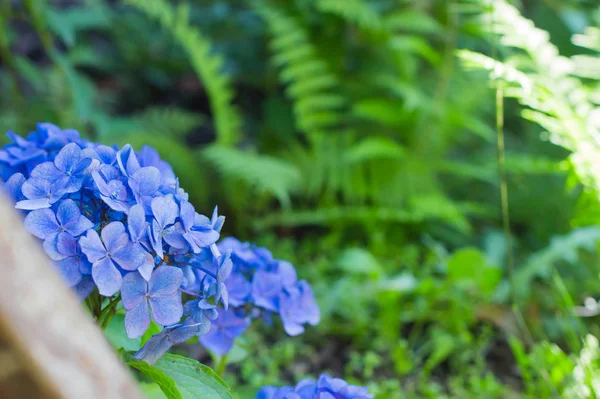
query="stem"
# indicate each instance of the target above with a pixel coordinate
(207, 272)
(222, 364)
(108, 312)
(107, 319)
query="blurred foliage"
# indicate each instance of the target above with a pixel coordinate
(358, 139)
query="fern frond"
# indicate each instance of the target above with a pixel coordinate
(562, 248)
(160, 121)
(207, 65)
(172, 121)
(364, 215)
(357, 12)
(261, 173)
(310, 84)
(558, 101)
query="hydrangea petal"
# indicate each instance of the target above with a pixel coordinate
(165, 281)
(133, 290)
(69, 270)
(107, 277)
(145, 181)
(166, 310)
(92, 247)
(42, 223)
(137, 320)
(164, 210)
(68, 157)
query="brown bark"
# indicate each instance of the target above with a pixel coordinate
(48, 344)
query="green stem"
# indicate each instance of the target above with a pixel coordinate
(108, 312)
(221, 365)
(107, 319)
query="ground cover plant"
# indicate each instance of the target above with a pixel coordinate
(429, 168)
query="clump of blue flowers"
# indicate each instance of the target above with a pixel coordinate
(120, 229)
(326, 387)
(260, 285)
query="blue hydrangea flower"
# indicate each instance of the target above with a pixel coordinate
(72, 265)
(160, 293)
(160, 343)
(326, 387)
(260, 285)
(68, 168)
(223, 331)
(107, 255)
(115, 221)
(45, 224)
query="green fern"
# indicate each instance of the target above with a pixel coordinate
(442, 210)
(542, 263)
(358, 12)
(208, 66)
(556, 100)
(310, 84)
(261, 173)
(161, 121)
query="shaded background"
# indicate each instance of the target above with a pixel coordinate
(348, 137)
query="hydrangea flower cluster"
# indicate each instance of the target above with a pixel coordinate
(326, 387)
(117, 221)
(260, 285)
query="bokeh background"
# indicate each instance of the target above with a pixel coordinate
(369, 143)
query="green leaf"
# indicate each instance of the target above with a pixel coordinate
(357, 261)
(152, 330)
(166, 383)
(193, 379)
(468, 265)
(117, 336)
(152, 390)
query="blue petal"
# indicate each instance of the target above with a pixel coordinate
(201, 239)
(130, 257)
(136, 223)
(166, 310)
(127, 160)
(156, 239)
(165, 281)
(50, 248)
(13, 186)
(137, 320)
(68, 158)
(145, 181)
(106, 154)
(82, 166)
(217, 342)
(187, 214)
(42, 223)
(70, 218)
(133, 290)
(92, 247)
(66, 244)
(69, 269)
(146, 269)
(30, 205)
(266, 393)
(175, 237)
(114, 236)
(164, 210)
(85, 287)
(47, 171)
(266, 288)
(287, 273)
(107, 277)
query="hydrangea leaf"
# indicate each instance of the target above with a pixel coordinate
(117, 336)
(193, 379)
(166, 383)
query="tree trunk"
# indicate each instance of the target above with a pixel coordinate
(49, 346)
